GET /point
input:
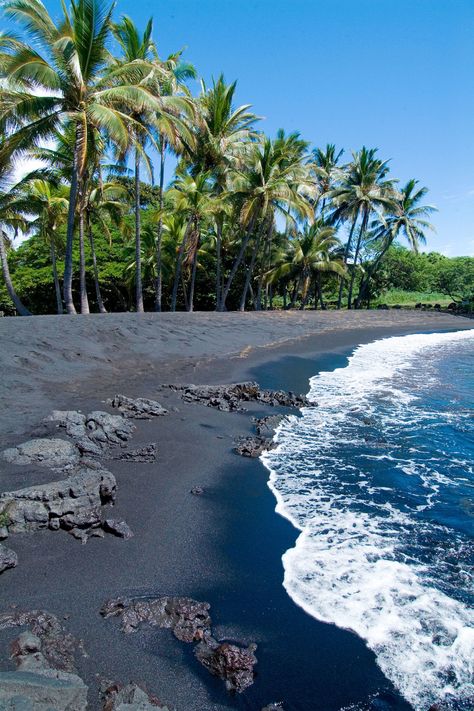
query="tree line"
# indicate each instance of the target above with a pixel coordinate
(247, 221)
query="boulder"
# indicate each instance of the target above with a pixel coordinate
(45, 452)
(37, 684)
(187, 618)
(8, 558)
(52, 691)
(118, 528)
(74, 502)
(253, 446)
(139, 408)
(93, 434)
(130, 698)
(230, 662)
(56, 645)
(147, 453)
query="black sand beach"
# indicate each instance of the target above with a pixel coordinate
(223, 547)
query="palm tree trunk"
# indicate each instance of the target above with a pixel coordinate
(185, 292)
(177, 272)
(265, 261)
(190, 306)
(305, 292)
(363, 227)
(71, 219)
(319, 292)
(295, 293)
(57, 288)
(248, 276)
(346, 255)
(82, 262)
(218, 263)
(238, 260)
(370, 272)
(20, 307)
(98, 294)
(138, 247)
(159, 234)
(284, 296)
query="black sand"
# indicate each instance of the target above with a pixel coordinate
(225, 546)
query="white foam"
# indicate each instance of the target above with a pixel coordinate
(345, 568)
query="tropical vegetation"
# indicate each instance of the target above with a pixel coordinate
(245, 220)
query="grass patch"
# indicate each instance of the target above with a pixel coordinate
(410, 298)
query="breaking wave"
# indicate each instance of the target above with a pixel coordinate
(378, 478)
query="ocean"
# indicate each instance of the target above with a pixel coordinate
(378, 477)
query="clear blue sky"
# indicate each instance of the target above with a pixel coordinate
(393, 74)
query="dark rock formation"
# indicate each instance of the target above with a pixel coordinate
(187, 618)
(57, 646)
(190, 622)
(118, 528)
(130, 698)
(197, 491)
(228, 661)
(93, 434)
(253, 446)
(147, 453)
(139, 408)
(8, 558)
(262, 441)
(266, 426)
(45, 452)
(37, 683)
(73, 504)
(229, 398)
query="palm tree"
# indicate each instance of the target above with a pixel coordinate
(195, 199)
(276, 181)
(363, 190)
(223, 135)
(104, 205)
(170, 133)
(9, 218)
(308, 255)
(50, 205)
(325, 166)
(73, 81)
(406, 220)
(136, 47)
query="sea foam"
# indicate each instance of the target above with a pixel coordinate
(373, 555)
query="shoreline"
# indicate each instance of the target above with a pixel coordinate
(223, 547)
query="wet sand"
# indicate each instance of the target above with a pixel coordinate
(225, 546)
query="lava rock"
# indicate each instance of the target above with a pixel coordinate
(45, 452)
(57, 646)
(147, 453)
(8, 558)
(253, 446)
(118, 528)
(37, 684)
(229, 398)
(187, 618)
(228, 661)
(130, 698)
(93, 434)
(139, 408)
(75, 502)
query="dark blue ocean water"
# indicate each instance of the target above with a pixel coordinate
(379, 479)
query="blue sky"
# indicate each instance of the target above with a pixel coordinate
(392, 74)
